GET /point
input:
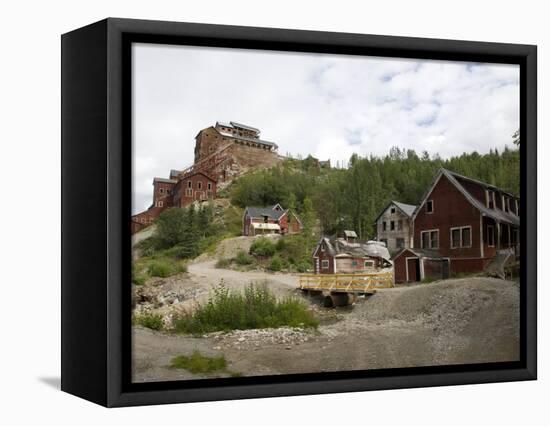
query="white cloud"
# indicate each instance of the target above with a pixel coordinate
(326, 105)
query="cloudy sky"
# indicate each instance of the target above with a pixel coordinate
(329, 106)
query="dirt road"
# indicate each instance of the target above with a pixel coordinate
(471, 320)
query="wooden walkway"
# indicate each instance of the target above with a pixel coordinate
(346, 283)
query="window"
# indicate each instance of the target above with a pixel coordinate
(461, 237)
(161, 190)
(429, 206)
(322, 247)
(189, 192)
(384, 226)
(490, 235)
(490, 199)
(199, 185)
(392, 225)
(400, 243)
(324, 264)
(392, 210)
(517, 207)
(385, 241)
(507, 205)
(354, 263)
(209, 186)
(189, 184)
(369, 264)
(400, 225)
(430, 239)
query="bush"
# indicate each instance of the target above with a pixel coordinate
(243, 259)
(198, 363)
(303, 267)
(223, 263)
(276, 264)
(262, 247)
(138, 278)
(151, 321)
(164, 268)
(255, 308)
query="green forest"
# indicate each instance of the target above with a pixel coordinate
(352, 197)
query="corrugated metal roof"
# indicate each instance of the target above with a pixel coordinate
(351, 234)
(340, 247)
(260, 212)
(244, 126)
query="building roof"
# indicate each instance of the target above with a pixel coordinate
(174, 173)
(423, 253)
(350, 234)
(248, 139)
(198, 172)
(259, 212)
(164, 180)
(340, 246)
(407, 209)
(496, 214)
(244, 126)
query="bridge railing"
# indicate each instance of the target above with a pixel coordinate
(350, 283)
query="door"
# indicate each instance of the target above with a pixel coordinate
(413, 269)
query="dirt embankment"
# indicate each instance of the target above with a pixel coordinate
(471, 320)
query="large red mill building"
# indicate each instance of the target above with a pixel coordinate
(222, 152)
(462, 225)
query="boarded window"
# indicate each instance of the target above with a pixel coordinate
(461, 237)
(490, 235)
(429, 206)
(430, 239)
(455, 238)
(466, 237)
(400, 225)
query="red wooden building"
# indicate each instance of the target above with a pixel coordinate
(270, 220)
(462, 225)
(346, 256)
(178, 191)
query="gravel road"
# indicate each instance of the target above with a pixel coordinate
(471, 320)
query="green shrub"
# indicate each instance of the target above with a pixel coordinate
(303, 267)
(223, 263)
(151, 321)
(164, 268)
(243, 259)
(262, 247)
(138, 278)
(256, 307)
(276, 264)
(198, 363)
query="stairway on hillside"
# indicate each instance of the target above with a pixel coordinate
(496, 267)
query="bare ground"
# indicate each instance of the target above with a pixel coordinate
(470, 320)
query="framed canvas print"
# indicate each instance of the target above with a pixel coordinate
(254, 212)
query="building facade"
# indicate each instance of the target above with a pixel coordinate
(222, 152)
(464, 222)
(393, 226)
(339, 256)
(270, 220)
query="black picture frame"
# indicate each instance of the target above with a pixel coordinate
(96, 179)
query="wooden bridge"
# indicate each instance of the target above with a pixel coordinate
(344, 288)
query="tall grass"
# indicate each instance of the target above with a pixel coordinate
(256, 307)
